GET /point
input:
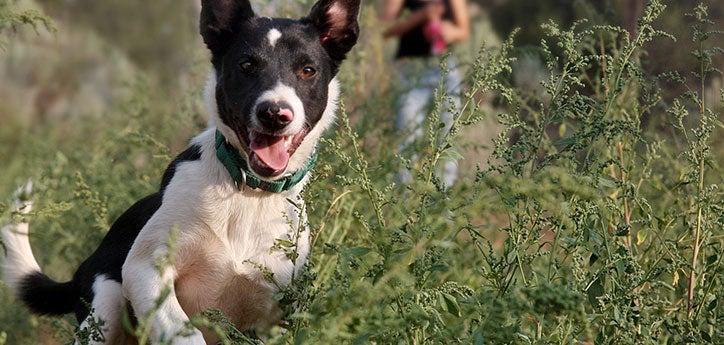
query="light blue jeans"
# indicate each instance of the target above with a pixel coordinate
(419, 78)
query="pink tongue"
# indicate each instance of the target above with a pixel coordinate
(270, 150)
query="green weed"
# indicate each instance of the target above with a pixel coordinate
(597, 219)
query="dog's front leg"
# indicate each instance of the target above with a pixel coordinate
(149, 286)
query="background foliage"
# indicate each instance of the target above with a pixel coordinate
(590, 210)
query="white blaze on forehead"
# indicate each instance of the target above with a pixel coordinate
(273, 36)
(283, 94)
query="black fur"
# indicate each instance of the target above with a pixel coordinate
(45, 296)
(338, 34)
(220, 20)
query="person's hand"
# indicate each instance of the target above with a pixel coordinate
(449, 31)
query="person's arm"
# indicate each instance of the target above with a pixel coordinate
(458, 29)
(392, 10)
(400, 27)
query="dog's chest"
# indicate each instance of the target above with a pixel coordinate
(255, 245)
(265, 234)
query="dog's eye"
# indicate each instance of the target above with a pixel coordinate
(247, 65)
(307, 72)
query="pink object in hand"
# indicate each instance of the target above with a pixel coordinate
(433, 33)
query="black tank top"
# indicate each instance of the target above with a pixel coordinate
(413, 43)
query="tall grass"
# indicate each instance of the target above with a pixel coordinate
(597, 219)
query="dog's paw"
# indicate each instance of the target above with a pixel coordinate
(21, 198)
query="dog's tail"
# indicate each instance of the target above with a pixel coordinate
(21, 271)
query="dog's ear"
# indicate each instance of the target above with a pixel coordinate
(220, 19)
(337, 23)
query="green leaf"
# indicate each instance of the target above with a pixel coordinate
(606, 182)
(641, 237)
(567, 141)
(711, 259)
(284, 243)
(595, 291)
(478, 338)
(712, 305)
(451, 304)
(300, 336)
(593, 259)
(706, 336)
(359, 251)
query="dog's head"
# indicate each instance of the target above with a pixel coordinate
(274, 87)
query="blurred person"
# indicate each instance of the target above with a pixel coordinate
(426, 29)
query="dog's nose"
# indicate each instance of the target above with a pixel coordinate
(275, 115)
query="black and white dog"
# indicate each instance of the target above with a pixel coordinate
(271, 95)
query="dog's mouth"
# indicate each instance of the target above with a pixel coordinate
(269, 154)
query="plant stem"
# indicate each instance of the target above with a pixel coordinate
(699, 217)
(696, 245)
(362, 169)
(626, 209)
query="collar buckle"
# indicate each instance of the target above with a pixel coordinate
(241, 184)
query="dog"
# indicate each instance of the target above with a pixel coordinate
(224, 203)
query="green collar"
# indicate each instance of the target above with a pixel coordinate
(239, 170)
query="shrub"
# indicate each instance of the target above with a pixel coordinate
(597, 218)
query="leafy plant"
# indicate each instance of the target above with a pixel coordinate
(12, 20)
(597, 218)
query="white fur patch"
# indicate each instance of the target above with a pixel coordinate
(19, 260)
(107, 307)
(210, 99)
(285, 94)
(273, 36)
(143, 283)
